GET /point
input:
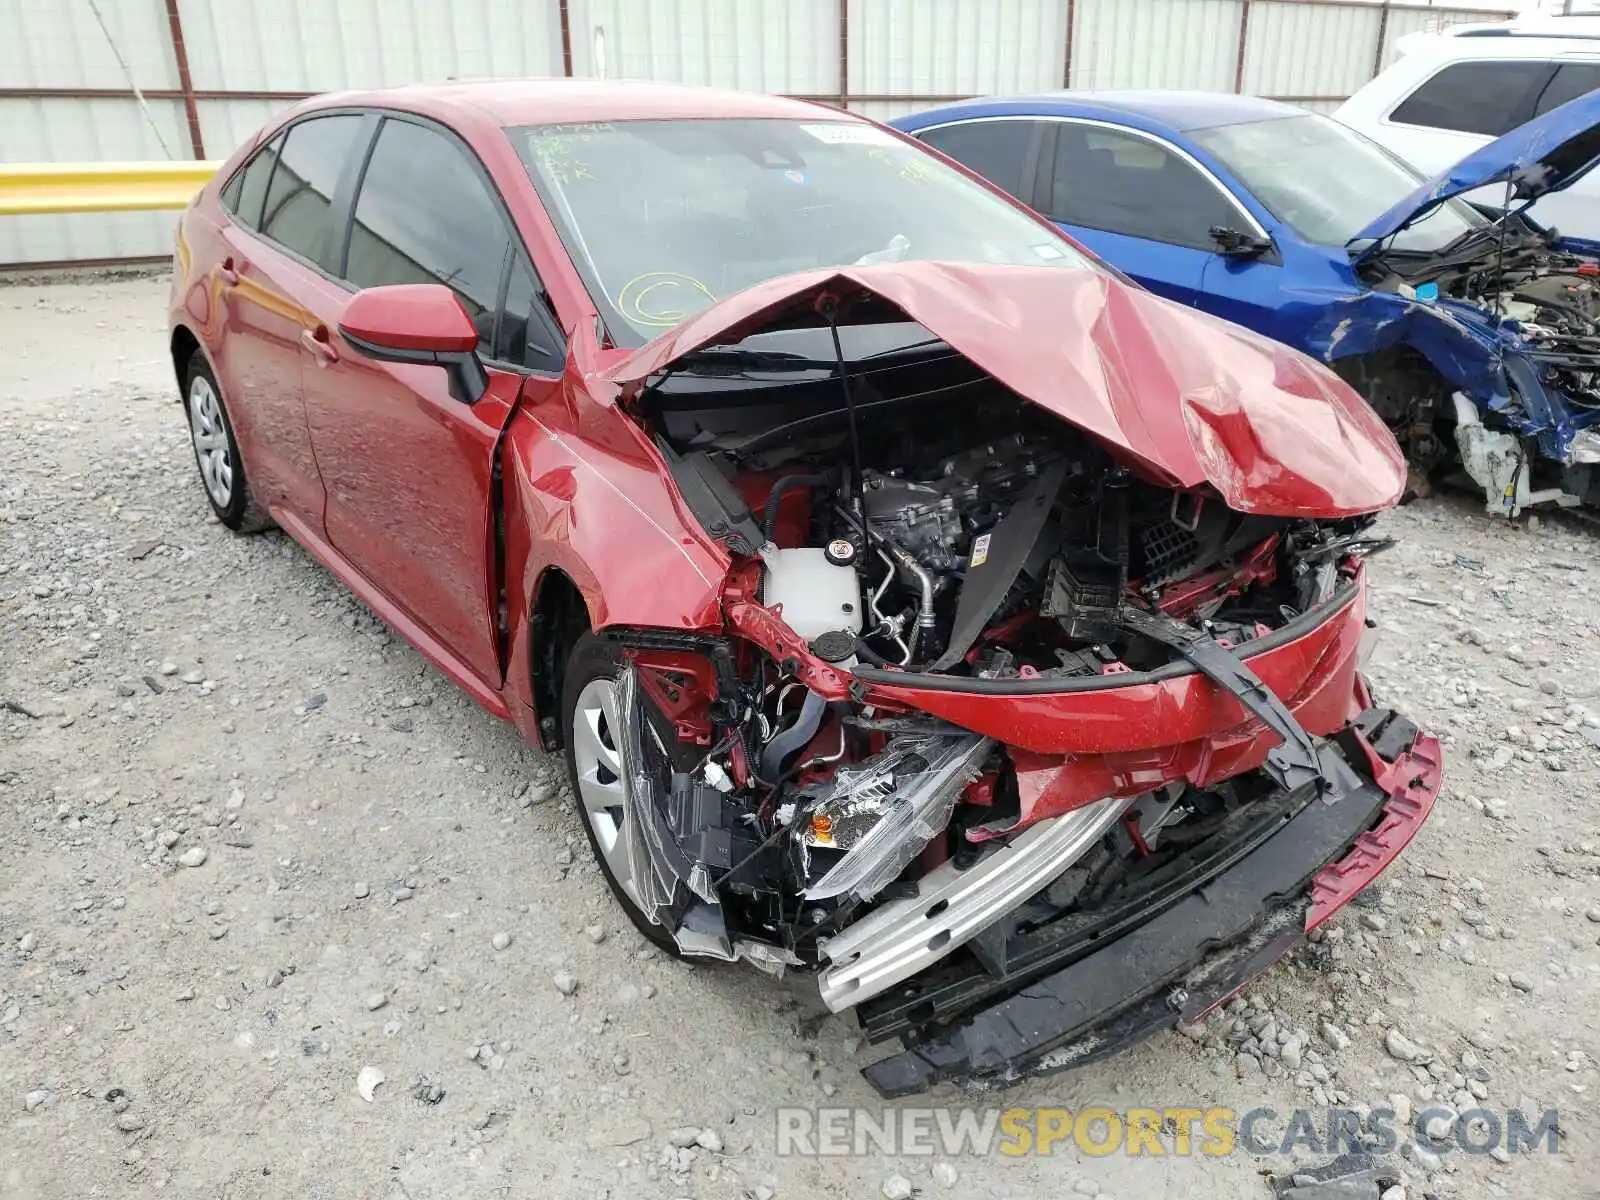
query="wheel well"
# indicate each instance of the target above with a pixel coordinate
(1392, 379)
(558, 617)
(184, 346)
(1410, 395)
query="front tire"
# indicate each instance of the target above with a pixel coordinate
(592, 733)
(216, 451)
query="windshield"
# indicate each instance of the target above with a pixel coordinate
(1327, 182)
(663, 218)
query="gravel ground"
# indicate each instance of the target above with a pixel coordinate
(254, 854)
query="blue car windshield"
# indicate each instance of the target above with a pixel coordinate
(1327, 182)
(664, 218)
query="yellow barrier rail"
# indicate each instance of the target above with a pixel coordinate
(27, 188)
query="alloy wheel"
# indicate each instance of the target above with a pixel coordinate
(210, 441)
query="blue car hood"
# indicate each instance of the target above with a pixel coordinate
(1549, 153)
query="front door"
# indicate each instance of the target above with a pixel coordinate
(407, 467)
(1138, 203)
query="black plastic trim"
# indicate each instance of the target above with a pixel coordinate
(468, 379)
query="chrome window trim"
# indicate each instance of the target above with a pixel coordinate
(1158, 140)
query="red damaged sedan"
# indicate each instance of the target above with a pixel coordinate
(917, 603)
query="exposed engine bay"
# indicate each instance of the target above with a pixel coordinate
(1014, 556)
(980, 539)
(1539, 305)
(1552, 296)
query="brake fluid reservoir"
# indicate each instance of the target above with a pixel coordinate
(818, 595)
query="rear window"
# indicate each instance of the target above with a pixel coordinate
(247, 191)
(995, 149)
(1473, 97)
(1571, 81)
(299, 201)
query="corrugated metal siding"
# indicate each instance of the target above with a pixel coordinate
(888, 110)
(1410, 20)
(57, 43)
(956, 47)
(79, 131)
(1155, 43)
(227, 124)
(897, 48)
(1297, 50)
(317, 46)
(756, 45)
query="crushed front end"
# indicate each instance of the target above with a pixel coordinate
(1022, 742)
(1506, 314)
(1511, 326)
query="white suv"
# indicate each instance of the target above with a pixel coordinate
(1452, 92)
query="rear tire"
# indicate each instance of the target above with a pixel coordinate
(216, 451)
(595, 769)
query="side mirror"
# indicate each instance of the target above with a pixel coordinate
(417, 323)
(1233, 244)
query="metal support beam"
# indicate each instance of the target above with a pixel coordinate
(1383, 36)
(844, 53)
(1244, 37)
(180, 55)
(566, 38)
(1066, 51)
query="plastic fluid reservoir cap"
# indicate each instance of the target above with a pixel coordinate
(833, 647)
(1427, 292)
(841, 552)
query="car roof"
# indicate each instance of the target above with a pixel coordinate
(579, 101)
(1498, 42)
(1170, 110)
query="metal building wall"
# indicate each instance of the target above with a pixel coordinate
(64, 96)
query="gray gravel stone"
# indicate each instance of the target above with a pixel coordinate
(896, 1187)
(566, 982)
(194, 856)
(1400, 1046)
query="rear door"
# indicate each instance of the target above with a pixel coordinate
(407, 467)
(275, 262)
(1137, 201)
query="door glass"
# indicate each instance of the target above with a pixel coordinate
(1571, 81)
(522, 335)
(997, 150)
(425, 215)
(300, 196)
(250, 185)
(1130, 185)
(1472, 97)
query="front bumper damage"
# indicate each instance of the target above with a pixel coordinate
(1059, 994)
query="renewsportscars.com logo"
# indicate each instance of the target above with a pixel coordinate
(1155, 1132)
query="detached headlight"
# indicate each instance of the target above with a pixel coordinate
(1586, 446)
(881, 812)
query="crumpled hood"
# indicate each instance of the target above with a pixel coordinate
(1549, 153)
(1187, 398)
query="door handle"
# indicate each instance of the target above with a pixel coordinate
(316, 341)
(226, 270)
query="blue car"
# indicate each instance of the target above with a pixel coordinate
(1473, 331)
